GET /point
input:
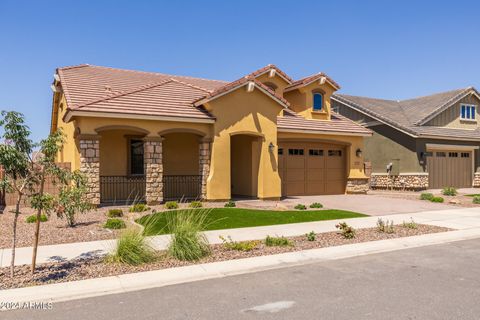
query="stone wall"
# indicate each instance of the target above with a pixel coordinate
(204, 167)
(90, 166)
(476, 180)
(153, 171)
(357, 186)
(414, 181)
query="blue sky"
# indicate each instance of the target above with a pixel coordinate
(386, 49)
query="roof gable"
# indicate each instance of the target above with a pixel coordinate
(273, 70)
(322, 77)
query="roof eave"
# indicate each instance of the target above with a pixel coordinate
(324, 132)
(82, 113)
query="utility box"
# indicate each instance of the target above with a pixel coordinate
(395, 167)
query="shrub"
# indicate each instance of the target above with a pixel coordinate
(347, 231)
(196, 204)
(311, 236)
(138, 207)
(437, 199)
(426, 196)
(385, 226)
(115, 213)
(72, 198)
(171, 205)
(230, 204)
(449, 191)
(316, 205)
(187, 242)
(239, 246)
(476, 200)
(410, 225)
(132, 248)
(114, 223)
(277, 242)
(33, 218)
(300, 207)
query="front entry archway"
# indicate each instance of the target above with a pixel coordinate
(244, 165)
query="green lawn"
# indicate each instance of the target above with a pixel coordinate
(473, 195)
(228, 218)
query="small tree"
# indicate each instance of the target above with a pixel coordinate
(45, 166)
(72, 198)
(15, 157)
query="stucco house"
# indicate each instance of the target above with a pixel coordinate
(431, 141)
(154, 137)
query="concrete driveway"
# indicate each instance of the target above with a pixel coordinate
(369, 204)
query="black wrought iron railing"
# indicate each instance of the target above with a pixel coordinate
(177, 187)
(122, 189)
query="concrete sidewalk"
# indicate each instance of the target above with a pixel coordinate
(460, 219)
(166, 277)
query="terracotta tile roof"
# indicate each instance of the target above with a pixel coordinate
(269, 67)
(338, 123)
(407, 114)
(240, 82)
(307, 80)
(84, 83)
(168, 98)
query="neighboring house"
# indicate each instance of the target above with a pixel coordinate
(156, 137)
(431, 142)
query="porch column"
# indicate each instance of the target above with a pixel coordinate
(90, 165)
(204, 164)
(153, 170)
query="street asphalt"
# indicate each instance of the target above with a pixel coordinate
(434, 282)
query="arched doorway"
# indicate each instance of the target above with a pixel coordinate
(244, 164)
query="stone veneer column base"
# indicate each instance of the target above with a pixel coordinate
(476, 180)
(153, 170)
(406, 181)
(204, 165)
(357, 185)
(90, 166)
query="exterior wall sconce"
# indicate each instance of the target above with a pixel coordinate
(271, 147)
(358, 153)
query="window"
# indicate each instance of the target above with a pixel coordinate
(136, 156)
(453, 154)
(317, 101)
(468, 112)
(334, 153)
(315, 152)
(441, 154)
(280, 151)
(428, 154)
(295, 152)
(465, 154)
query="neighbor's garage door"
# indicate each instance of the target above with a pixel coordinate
(312, 169)
(449, 169)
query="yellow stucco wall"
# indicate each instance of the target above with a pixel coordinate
(180, 154)
(354, 164)
(301, 100)
(69, 152)
(276, 80)
(241, 112)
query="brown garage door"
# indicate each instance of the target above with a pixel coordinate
(312, 168)
(449, 169)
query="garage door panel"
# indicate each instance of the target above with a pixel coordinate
(312, 169)
(447, 168)
(316, 175)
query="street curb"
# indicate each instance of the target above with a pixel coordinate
(166, 277)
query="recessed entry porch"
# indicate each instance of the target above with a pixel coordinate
(135, 166)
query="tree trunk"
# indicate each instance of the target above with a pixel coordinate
(37, 225)
(17, 213)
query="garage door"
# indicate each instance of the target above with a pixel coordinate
(312, 169)
(449, 169)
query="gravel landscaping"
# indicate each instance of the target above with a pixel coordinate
(54, 231)
(87, 268)
(460, 200)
